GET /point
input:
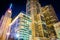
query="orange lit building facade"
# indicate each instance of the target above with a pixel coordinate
(50, 18)
(43, 19)
(5, 23)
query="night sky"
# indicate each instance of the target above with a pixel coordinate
(20, 5)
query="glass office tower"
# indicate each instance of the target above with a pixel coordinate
(38, 25)
(24, 31)
(20, 28)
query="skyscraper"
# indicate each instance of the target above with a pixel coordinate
(43, 19)
(32, 7)
(24, 29)
(50, 18)
(20, 27)
(33, 10)
(5, 23)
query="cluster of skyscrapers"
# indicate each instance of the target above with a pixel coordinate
(39, 23)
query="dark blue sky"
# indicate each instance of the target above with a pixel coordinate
(20, 5)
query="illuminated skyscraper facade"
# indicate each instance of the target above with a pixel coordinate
(37, 24)
(32, 6)
(20, 27)
(43, 19)
(5, 23)
(33, 10)
(24, 31)
(50, 18)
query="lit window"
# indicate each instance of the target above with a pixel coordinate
(28, 22)
(22, 22)
(47, 17)
(51, 16)
(22, 27)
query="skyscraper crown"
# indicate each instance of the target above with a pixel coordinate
(9, 11)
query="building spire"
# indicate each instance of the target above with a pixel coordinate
(9, 11)
(10, 6)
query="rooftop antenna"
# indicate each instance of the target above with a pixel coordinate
(10, 6)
